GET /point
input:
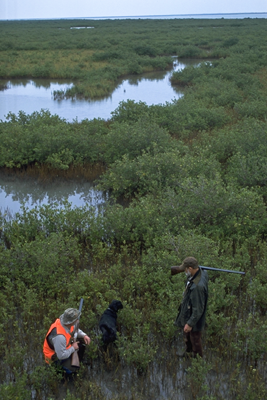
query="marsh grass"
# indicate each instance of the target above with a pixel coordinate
(58, 63)
(194, 172)
(112, 49)
(108, 377)
(50, 244)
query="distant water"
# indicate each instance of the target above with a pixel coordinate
(174, 16)
(188, 16)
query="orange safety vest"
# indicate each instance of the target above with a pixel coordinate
(48, 352)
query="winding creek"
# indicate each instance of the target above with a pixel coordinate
(34, 95)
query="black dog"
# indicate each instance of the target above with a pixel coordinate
(108, 322)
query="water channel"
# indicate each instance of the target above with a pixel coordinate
(34, 95)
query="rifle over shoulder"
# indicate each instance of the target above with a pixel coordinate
(178, 269)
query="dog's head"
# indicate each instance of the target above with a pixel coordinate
(115, 305)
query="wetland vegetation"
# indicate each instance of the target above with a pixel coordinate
(193, 172)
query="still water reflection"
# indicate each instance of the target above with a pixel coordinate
(34, 95)
(14, 191)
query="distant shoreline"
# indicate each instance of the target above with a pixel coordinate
(186, 16)
(171, 16)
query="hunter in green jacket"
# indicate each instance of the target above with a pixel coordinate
(192, 311)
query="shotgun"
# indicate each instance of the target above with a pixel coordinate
(222, 270)
(75, 362)
(177, 269)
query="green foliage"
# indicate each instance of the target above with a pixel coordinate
(138, 351)
(196, 202)
(48, 140)
(188, 75)
(241, 149)
(194, 173)
(217, 92)
(253, 388)
(251, 331)
(197, 376)
(16, 390)
(258, 286)
(191, 52)
(144, 50)
(155, 170)
(44, 377)
(230, 42)
(96, 57)
(132, 140)
(129, 111)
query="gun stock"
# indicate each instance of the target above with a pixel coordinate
(75, 361)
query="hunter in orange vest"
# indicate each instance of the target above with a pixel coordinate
(58, 347)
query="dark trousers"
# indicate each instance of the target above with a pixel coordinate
(193, 343)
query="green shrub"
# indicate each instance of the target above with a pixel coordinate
(15, 390)
(131, 140)
(137, 352)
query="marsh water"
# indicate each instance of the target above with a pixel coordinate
(16, 191)
(34, 95)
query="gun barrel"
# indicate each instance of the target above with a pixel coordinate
(81, 305)
(222, 270)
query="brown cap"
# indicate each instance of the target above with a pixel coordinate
(189, 262)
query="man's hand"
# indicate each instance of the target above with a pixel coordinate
(86, 339)
(187, 328)
(76, 345)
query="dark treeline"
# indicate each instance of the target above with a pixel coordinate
(193, 172)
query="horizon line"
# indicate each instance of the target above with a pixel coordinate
(133, 16)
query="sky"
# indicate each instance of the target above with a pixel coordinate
(28, 9)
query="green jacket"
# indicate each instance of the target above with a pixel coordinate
(192, 310)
